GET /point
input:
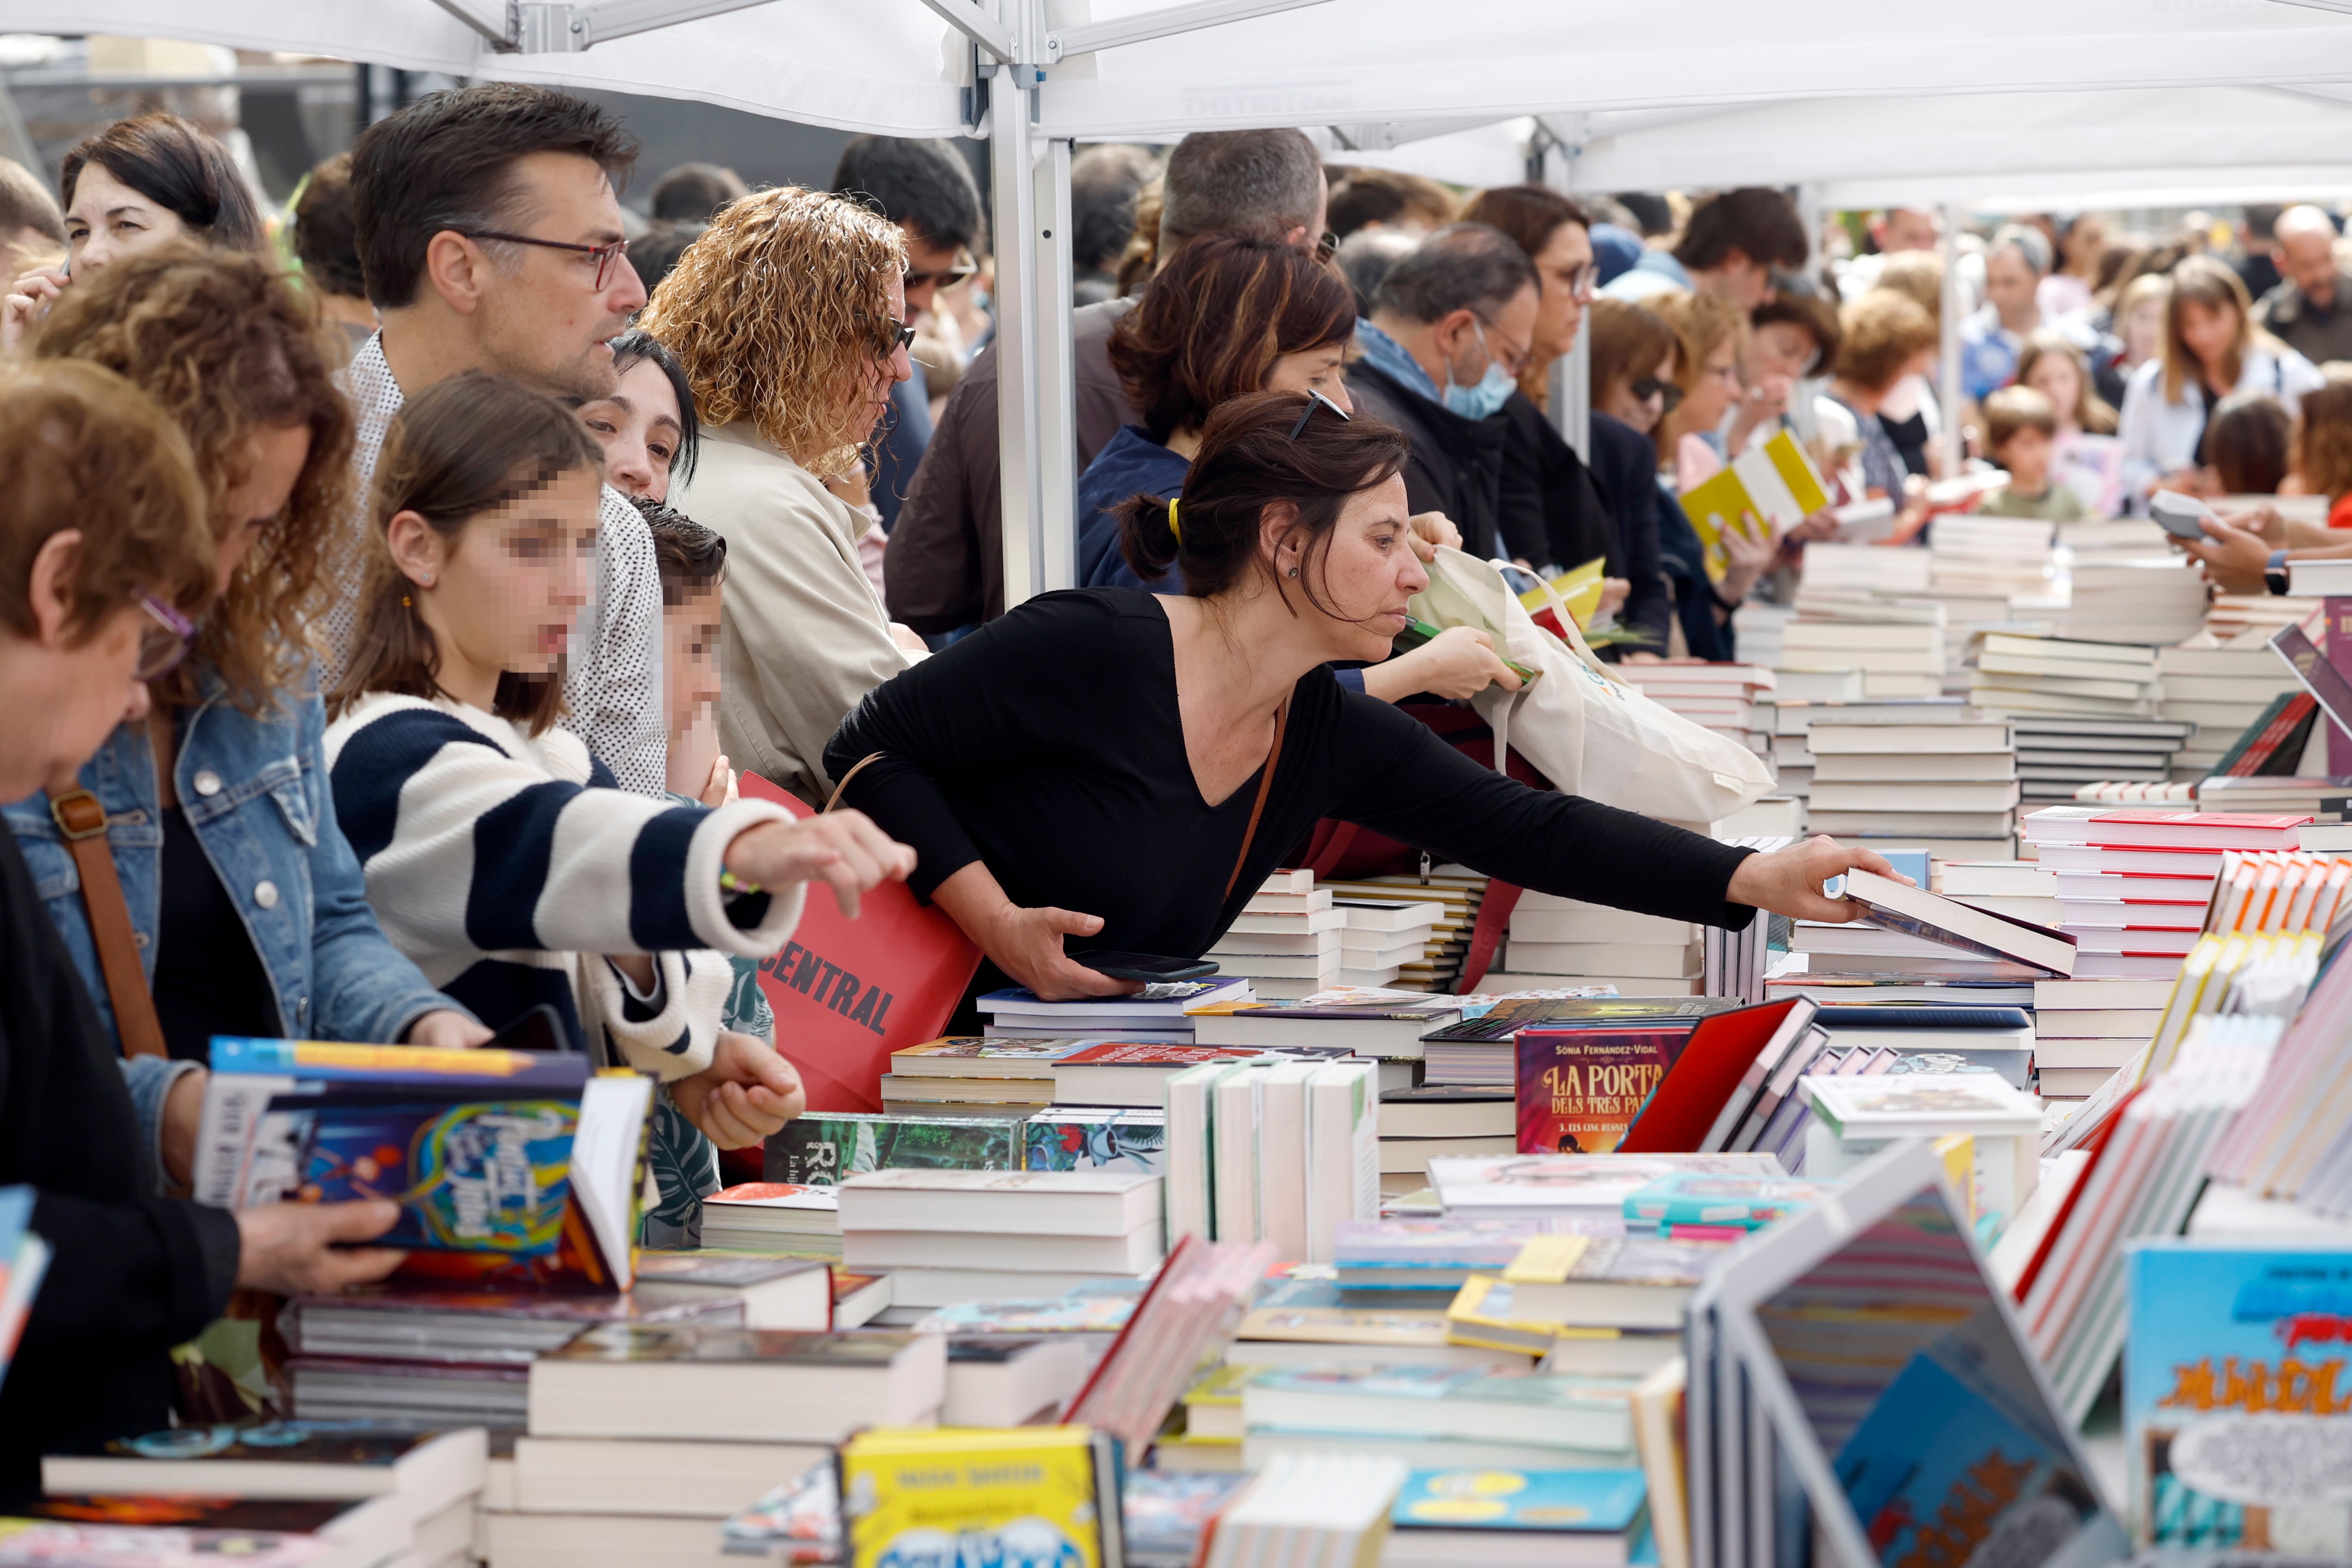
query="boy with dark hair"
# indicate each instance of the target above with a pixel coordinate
(2021, 428)
(1732, 245)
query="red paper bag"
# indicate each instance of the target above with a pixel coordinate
(847, 993)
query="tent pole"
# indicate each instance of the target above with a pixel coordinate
(1054, 410)
(1948, 364)
(1012, 171)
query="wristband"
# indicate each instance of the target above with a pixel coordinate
(2274, 575)
(729, 881)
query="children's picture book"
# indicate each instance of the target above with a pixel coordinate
(1023, 1494)
(1579, 1088)
(1080, 1139)
(2237, 1398)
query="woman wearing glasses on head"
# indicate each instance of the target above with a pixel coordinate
(789, 318)
(1036, 765)
(193, 866)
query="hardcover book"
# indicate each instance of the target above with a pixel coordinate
(1509, 1016)
(821, 1149)
(1579, 1089)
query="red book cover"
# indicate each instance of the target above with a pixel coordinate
(2141, 827)
(1683, 1109)
(1154, 1053)
(1580, 1088)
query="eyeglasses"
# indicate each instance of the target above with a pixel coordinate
(1647, 387)
(964, 267)
(1314, 400)
(1326, 247)
(1520, 357)
(606, 255)
(896, 335)
(163, 645)
(1579, 279)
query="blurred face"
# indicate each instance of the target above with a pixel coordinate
(2308, 258)
(273, 466)
(2206, 331)
(1778, 348)
(2142, 330)
(1906, 229)
(1502, 339)
(639, 427)
(1745, 284)
(503, 594)
(928, 267)
(540, 315)
(1320, 370)
(2055, 378)
(1365, 570)
(1640, 401)
(2083, 243)
(690, 659)
(108, 220)
(1705, 404)
(1565, 265)
(868, 397)
(2009, 283)
(2026, 455)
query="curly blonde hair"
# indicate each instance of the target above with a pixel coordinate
(228, 345)
(777, 312)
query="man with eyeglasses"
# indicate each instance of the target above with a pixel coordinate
(490, 239)
(946, 561)
(1452, 327)
(926, 189)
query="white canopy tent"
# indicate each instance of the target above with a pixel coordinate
(1701, 86)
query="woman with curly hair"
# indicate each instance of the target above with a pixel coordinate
(788, 315)
(244, 903)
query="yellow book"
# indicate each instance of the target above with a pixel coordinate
(1483, 1315)
(1579, 589)
(1026, 1494)
(1545, 1259)
(1775, 483)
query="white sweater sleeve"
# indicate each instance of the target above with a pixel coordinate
(676, 1040)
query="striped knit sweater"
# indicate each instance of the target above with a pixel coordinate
(507, 865)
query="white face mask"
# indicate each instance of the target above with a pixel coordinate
(1492, 390)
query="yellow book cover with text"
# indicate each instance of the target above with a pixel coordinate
(1028, 1494)
(1776, 483)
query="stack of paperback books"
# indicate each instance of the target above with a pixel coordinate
(2148, 603)
(1725, 698)
(1275, 1149)
(1433, 1120)
(1995, 558)
(1569, 943)
(1898, 644)
(973, 1075)
(1457, 889)
(2062, 755)
(1286, 940)
(2136, 882)
(2233, 696)
(1156, 1012)
(1382, 936)
(2087, 1030)
(952, 1235)
(1949, 785)
(2015, 675)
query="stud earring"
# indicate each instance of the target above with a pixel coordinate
(1294, 571)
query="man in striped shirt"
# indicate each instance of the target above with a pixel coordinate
(490, 238)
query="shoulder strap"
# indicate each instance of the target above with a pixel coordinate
(835, 799)
(1264, 786)
(82, 821)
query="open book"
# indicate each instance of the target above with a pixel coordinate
(1776, 484)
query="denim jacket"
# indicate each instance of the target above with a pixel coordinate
(256, 794)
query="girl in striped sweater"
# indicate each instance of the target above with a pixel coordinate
(498, 855)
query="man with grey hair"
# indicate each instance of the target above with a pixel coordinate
(2015, 262)
(1452, 327)
(945, 562)
(2311, 308)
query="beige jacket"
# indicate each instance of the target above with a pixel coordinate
(802, 636)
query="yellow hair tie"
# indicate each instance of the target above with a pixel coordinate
(1172, 523)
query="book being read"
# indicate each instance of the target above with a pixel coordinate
(1898, 906)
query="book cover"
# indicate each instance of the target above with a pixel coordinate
(1155, 1053)
(1508, 1016)
(471, 1175)
(2237, 1398)
(1579, 1089)
(1080, 1140)
(962, 1055)
(647, 1345)
(356, 1444)
(1748, 1203)
(334, 1061)
(1455, 1240)
(1599, 1502)
(1079, 1313)
(1026, 1495)
(820, 1149)
(1494, 1183)
(171, 1532)
(797, 1522)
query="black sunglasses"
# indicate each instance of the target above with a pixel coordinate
(947, 279)
(1326, 247)
(1314, 400)
(897, 335)
(1648, 387)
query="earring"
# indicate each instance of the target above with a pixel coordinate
(1294, 571)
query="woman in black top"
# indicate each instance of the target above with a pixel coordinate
(1091, 764)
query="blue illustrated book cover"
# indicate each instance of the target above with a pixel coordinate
(1604, 1501)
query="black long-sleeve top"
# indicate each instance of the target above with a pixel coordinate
(1625, 466)
(1048, 745)
(130, 1274)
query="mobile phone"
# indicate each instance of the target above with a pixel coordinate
(541, 1029)
(2180, 515)
(1145, 967)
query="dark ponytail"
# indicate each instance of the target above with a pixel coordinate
(1249, 459)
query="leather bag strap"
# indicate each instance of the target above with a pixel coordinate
(870, 756)
(82, 819)
(1264, 788)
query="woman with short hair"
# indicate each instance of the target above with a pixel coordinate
(789, 317)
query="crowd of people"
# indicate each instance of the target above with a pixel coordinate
(389, 596)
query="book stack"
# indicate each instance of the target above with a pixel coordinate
(1384, 1024)
(1308, 1509)
(2022, 890)
(1273, 1149)
(642, 1441)
(1736, 962)
(1595, 1306)
(778, 1215)
(1725, 698)
(1457, 889)
(823, 1147)
(2087, 1030)
(1991, 557)
(2317, 795)
(1897, 646)
(1382, 936)
(1570, 943)
(1286, 940)
(953, 1236)
(2059, 757)
(2150, 602)
(1439, 1416)
(1155, 1012)
(1440, 1119)
(2233, 696)
(1571, 1193)
(2135, 881)
(1546, 1516)
(2015, 674)
(974, 1075)
(1481, 1051)
(353, 1494)
(2234, 619)
(1951, 785)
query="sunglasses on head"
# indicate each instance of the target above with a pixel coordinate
(1314, 400)
(1648, 387)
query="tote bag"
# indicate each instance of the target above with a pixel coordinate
(847, 993)
(1587, 731)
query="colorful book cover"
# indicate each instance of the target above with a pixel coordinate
(1594, 1501)
(1484, 1243)
(2237, 1399)
(330, 1062)
(1167, 1512)
(473, 1175)
(1026, 1495)
(1749, 1203)
(1093, 1309)
(798, 1521)
(975, 1048)
(1083, 1140)
(820, 1149)
(1506, 1017)
(1942, 1464)
(1579, 1089)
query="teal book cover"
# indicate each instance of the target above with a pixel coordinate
(1097, 1140)
(822, 1148)
(1688, 1197)
(2237, 1400)
(1602, 1501)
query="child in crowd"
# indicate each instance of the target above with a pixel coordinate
(497, 852)
(2322, 448)
(2021, 428)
